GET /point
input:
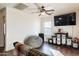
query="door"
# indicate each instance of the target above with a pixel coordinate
(2, 41)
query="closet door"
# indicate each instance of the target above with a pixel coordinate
(2, 38)
(1, 32)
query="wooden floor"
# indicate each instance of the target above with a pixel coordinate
(46, 49)
(66, 51)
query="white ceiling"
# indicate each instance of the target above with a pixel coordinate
(58, 7)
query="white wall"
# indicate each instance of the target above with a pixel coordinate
(20, 25)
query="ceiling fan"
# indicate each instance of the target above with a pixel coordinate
(43, 11)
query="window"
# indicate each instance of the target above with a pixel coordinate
(47, 28)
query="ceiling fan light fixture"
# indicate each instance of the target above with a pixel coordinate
(43, 13)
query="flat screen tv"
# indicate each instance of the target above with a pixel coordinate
(66, 19)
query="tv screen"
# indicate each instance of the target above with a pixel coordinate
(64, 20)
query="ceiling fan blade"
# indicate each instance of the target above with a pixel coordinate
(37, 6)
(48, 13)
(40, 14)
(35, 12)
(50, 10)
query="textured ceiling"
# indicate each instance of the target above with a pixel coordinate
(58, 7)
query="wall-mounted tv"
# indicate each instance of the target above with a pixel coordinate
(66, 19)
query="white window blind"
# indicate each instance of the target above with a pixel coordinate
(47, 27)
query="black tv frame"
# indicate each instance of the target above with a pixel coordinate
(65, 19)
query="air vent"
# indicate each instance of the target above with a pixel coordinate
(21, 6)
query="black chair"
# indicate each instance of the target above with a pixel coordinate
(42, 36)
